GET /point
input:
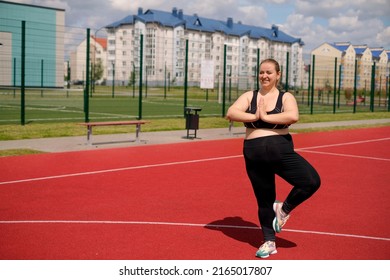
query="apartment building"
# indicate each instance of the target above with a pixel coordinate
(98, 58)
(168, 36)
(350, 57)
(381, 58)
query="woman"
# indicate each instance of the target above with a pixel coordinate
(268, 151)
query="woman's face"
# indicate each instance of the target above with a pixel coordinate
(268, 75)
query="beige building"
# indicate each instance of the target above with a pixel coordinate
(350, 56)
(381, 59)
(98, 55)
(325, 60)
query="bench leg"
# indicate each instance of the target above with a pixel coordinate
(137, 131)
(231, 127)
(89, 134)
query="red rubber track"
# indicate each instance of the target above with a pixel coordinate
(193, 201)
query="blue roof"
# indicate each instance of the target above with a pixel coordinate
(376, 53)
(194, 22)
(124, 21)
(342, 48)
(360, 50)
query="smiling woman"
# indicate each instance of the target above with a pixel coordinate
(269, 151)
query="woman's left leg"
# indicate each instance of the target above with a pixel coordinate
(298, 172)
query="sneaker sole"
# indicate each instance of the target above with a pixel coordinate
(266, 256)
(275, 226)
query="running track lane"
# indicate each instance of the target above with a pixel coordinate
(169, 202)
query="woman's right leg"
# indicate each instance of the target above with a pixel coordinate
(262, 179)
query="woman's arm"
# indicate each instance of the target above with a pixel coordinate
(289, 115)
(237, 111)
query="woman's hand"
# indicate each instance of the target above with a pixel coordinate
(261, 113)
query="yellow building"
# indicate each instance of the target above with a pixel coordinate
(325, 60)
(350, 57)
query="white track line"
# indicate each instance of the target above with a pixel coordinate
(344, 155)
(346, 143)
(190, 161)
(118, 169)
(308, 149)
(188, 225)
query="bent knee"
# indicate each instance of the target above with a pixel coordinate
(315, 184)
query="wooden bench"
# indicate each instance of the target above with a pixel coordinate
(358, 100)
(90, 125)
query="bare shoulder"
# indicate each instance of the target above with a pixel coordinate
(248, 93)
(246, 96)
(288, 95)
(289, 99)
(243, 101)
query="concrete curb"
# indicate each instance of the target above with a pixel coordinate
(79, 143)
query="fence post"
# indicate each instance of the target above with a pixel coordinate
(113, 81)
(185, 78)
(312, 84)
(22, 82)
(372, 92)
(41, 77)
(165, 80)
(141, 53)
(67, 79)
(309, 86)
(14, 76)
(224, 81)
(354, 87)
(388, 93)
(287, 64)
(339, 89)
(257, 68)
(334, 85)
(86, 88)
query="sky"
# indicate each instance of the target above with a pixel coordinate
(359, 22)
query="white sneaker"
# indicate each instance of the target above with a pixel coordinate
(268, 248)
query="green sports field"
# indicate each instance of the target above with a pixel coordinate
(122, 103)
(63, 105)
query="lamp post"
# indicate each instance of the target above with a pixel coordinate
(94, 59)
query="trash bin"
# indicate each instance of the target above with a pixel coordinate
(192, 120)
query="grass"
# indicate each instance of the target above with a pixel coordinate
(18, 152)
(44, 129)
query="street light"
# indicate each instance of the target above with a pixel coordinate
(94, 58)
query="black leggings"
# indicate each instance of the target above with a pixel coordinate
(268, 156)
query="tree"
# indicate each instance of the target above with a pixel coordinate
(131, 79)
(97, 72)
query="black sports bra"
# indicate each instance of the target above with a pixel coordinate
(262, 124)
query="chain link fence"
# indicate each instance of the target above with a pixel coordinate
(68, 74)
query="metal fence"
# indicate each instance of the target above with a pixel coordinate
(62, 73)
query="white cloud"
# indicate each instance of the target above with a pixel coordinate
(344, 23)
(315, 22)
(329, 8)
(126, 5)
(253, 15)
(382, 38)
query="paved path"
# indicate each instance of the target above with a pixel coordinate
(77, 143)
